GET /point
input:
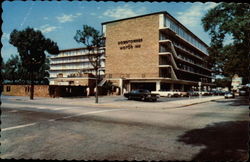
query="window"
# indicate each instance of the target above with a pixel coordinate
(8, 89)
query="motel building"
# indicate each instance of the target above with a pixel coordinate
(72, 74)
(153, 51)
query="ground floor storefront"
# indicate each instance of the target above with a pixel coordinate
(126, 85)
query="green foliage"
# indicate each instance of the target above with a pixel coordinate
(89, 36)
(229, 19)
(13, 71)
(226, 82)
(1, 76)
(31, 46)
(10, 69)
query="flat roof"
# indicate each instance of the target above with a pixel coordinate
(161, 12)
(72, 49)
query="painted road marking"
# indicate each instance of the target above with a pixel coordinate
(41, 107)
(19, 126)
(66, 117)
(92, 112)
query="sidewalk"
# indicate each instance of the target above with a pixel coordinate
(115, 101)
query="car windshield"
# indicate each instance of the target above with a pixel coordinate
(142, 91)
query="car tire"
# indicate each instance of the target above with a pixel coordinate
(143, 98)
(129, 98)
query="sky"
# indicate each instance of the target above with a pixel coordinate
(59, 20)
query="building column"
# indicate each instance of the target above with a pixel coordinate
(171, 86)
(182, 88)
(129, 86)
(121, 87)
(158, 85)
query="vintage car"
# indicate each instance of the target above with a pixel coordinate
(174, 93)
(229, 95)
(142, 94)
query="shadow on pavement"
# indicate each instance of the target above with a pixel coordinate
(238, 101)
(224, 141)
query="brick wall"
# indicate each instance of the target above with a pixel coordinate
(24, 90)
(139, 62)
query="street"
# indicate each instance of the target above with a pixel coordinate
(62, 129)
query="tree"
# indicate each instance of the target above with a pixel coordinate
(43, 73)
(11, 68)
(229, 19)
(1, 78)
(223, 82)
(31, 46)
(93, 40)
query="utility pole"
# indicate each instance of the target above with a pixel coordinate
(96, 86)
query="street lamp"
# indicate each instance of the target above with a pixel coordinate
(199, 84)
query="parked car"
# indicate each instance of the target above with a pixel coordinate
(242, 93)
(229, 95)
(219, 93)
(174, 93)
(205, 93)
(184, 94)
(193, 93)
(142, 94)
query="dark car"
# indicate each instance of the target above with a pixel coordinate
(142, 94)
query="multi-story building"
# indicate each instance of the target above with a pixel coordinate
(156, 52)
(71, 71)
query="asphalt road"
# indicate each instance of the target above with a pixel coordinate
(216, 130)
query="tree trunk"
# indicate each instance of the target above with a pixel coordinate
(13, 77)
(32, 86)
(96, 87)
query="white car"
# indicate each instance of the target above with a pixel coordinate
(229, 95)
(174, 93)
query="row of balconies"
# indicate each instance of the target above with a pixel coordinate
(186, 60)
(165, 61)
(169, 32)
(186, 50)
(83, 61)
(74, 54)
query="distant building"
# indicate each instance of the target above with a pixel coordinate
(155, 52)
(72, 74)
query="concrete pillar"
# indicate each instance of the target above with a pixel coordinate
(171, 86)
(129, 86)
(88, 91)
(182, 87)
(121, 86)
(158, 85)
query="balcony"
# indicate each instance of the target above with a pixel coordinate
(168, 31)
(166, 50)
(187, 71)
